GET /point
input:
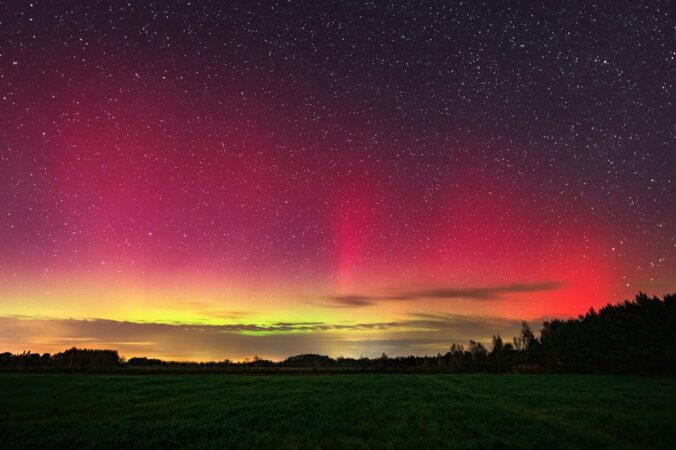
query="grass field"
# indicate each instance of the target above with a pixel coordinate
(335, 411)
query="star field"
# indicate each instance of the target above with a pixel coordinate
(357, 162)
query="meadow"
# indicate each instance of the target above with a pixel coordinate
(336, 411)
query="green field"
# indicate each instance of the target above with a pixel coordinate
(335, 411)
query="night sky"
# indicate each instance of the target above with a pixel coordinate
(221, 179)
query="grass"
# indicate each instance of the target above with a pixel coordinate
(336, 411)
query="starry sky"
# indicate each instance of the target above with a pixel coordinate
(207, 180)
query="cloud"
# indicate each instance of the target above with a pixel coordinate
(414, 334)
(347, 301)
(472, 293)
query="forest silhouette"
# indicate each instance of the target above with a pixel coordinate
(633, 337)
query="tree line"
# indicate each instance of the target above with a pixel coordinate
(633, 337)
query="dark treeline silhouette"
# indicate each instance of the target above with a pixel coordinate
(634, 337)
(73, 358)
(631, 337)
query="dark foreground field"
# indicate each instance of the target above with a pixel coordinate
(335, 411)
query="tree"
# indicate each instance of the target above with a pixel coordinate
(498, 354)
(525, 338)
